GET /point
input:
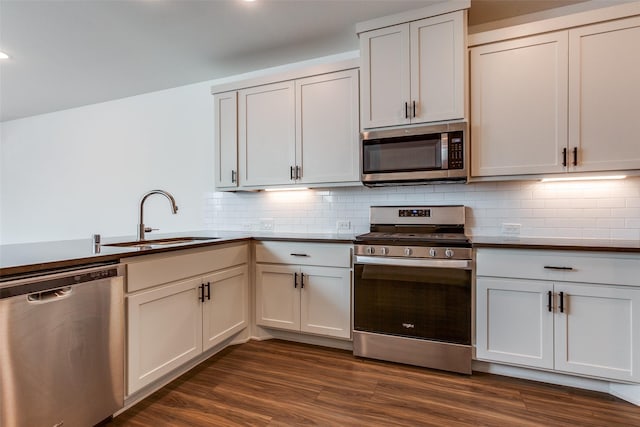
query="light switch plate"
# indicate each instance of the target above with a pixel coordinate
(510, 229)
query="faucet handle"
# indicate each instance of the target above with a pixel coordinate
(149, 229)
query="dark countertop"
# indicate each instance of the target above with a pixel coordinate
(602, 245)
(27, 258)
(24, 258)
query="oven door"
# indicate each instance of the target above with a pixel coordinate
(430, 300)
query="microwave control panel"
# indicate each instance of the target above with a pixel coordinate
(455, 151)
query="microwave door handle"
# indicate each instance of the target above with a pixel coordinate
(444, 146)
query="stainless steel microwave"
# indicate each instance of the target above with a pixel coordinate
(416, 155)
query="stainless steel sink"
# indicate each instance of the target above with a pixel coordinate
(159, 242)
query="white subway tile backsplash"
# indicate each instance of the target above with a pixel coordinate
(571, 209)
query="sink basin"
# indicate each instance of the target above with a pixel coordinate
(159, 242)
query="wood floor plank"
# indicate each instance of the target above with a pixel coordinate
(278, 383)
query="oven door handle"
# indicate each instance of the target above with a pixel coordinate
(464, 264)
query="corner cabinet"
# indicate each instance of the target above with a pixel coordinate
(414, 72)
(304, 287)
(561, 102)
(570, 312)
(181, 305)
(302, 131)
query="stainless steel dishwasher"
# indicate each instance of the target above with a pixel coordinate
(62, 348)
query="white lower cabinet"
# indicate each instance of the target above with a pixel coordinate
(305, 298)
(562, 323)
(172, 323)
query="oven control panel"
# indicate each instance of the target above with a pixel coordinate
(441, 252)
(414, 213)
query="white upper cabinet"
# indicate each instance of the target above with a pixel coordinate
(604, 94)
(226, 139)
(267, 134)
(386, 83)
(519, 106)
(413, 72)
(565, 101)
(327, 128)
(301, 131)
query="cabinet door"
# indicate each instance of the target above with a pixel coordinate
(513, 322)
(437, 68)
(519, 106)
(598, 331)
(604, 93)
(385, 79)
(327, 128)
(164, 331)
(226, 140)
(278, 296)
(225, 311)
(267, 134)
(326, 301)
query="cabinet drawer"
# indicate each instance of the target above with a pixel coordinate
(566, 266)
(324, 254)
(153, 270)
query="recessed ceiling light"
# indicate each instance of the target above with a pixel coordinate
(3, 55)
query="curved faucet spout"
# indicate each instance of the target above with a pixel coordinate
(141, 228)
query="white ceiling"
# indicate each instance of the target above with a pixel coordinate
(68, 53)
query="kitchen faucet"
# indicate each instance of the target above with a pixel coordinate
(141, 228)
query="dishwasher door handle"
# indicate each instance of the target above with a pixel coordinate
(50, 295)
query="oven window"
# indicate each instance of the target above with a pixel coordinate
(417, 302)
(404, 154)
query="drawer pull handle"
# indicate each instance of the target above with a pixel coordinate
(294, 254)
(552, 267)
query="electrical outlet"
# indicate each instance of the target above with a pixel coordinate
(343, 225)
(510, 229)
(267, 224)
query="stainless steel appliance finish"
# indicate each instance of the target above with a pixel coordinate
(412, 287)
(62, 348)
(414, 155)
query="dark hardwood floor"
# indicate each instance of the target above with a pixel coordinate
(278, 383)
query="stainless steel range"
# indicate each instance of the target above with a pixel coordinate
(412, 287)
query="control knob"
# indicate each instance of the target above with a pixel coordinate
(433, 253)
(370, 250)
(384, 251)
(407, 251)
(448, 253)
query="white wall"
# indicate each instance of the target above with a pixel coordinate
(72, 173)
